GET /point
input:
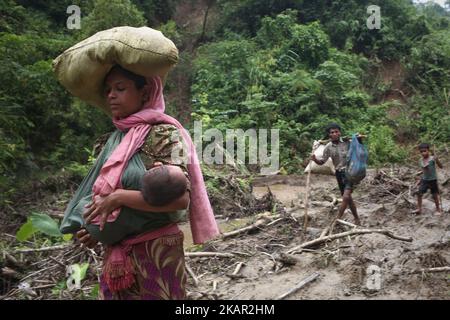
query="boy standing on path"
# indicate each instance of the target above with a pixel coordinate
(429, 179)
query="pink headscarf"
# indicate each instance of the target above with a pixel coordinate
(202, 221)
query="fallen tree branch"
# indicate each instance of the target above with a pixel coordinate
(274, 221)
(295, 208)
(37, 272)
(308, 183)
(334, 201)
(428, 270)
(445, 182)
(238, 268)
(399, 182)
(300, 285)
(235, 273)
(60, 247)
(346, 223)
(45, 286)
(208, 254)
(255, 225)
(329, 229)
(241, 253)
(58, 262)
(348, 233)
(322, 203)
(401, 195)
(260, 222)
(410, 202)
(324, 232)
(192, 274)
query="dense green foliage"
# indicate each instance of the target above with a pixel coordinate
(298, 70)
(289, 76)
(292, 65)
(110, 13)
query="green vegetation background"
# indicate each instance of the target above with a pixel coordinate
(290, 65)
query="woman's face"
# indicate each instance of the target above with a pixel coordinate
(122, 95)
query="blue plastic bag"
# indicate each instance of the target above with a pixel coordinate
(356, 161)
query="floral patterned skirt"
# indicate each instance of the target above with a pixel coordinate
(159, 268)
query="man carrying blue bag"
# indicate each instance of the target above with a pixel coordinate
(350, 161)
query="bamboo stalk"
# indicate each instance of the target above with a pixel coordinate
(345, 234)
(308, 182)
(300, 285)
(209, 254)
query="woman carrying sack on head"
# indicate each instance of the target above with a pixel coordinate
(148, 262)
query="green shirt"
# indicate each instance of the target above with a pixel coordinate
(429, 168)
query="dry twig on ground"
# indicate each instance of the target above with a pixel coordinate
(431, 270)
(300, 285)
(345, 234)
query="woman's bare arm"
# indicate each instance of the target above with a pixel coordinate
(103, 206)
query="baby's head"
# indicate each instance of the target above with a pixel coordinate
(163, 184)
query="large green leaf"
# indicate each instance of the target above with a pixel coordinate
(83, 270)
(45, 224)
(25, 231)
(76, 274)
(67, 237)
(94, 292)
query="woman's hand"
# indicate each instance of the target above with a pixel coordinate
(85, 238)
(102, 206)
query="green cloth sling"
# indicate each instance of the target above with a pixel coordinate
(130, 221)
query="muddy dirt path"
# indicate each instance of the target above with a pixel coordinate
(370, 266)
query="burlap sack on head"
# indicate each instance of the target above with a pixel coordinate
(326, 168)
(82, 68)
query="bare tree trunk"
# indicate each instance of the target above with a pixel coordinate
(308, 182)
(205, 20)
(348, 233)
